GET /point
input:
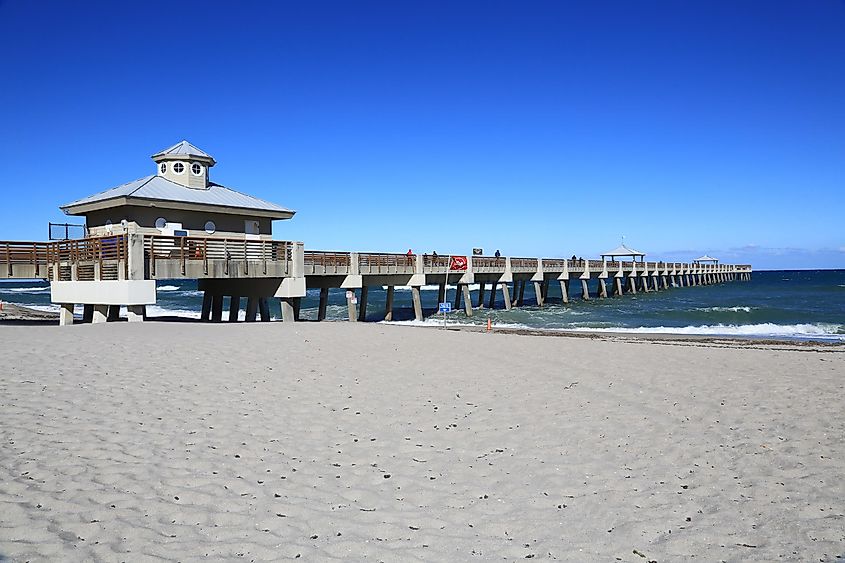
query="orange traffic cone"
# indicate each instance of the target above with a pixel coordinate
(489, 325)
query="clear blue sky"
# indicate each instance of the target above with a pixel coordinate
(540, 128)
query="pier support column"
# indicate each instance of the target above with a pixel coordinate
(114, 313)
(665, 282)
(100, 314)
(205, 314)
(481, 288)
(135, 313)
(492, 301)
(362, 308)
(467, 300)
(288, 310)
(324, 303)
(644, 283)
(546, 290)
(458, 295)
(632, 285)
(217, 308)
(66, 314)
(602, 288)
(507, 296)
(251, 309)
(351, 307)
(564, 291)
(234, 308)
(441, 294)
(617, 286)
(520, 299)
(417, 299)
(87, 313)
(585, 290)
(538, 293)
(388, 304)
(264, 309)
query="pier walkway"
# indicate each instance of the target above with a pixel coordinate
(106, 272)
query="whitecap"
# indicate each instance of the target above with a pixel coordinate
(725, 309)
(26, 289)
(168, 288)
(814, 331)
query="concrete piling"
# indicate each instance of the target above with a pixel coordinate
(506, 296)
(467, 299)
(362, 305)
(324, 303)
(417, 299)
(234, 308)
(388, 303)
(351, 307)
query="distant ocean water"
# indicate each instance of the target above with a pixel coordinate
(803, 304)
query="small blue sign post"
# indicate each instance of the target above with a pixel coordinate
(444, 308)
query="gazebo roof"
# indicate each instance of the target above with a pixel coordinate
(182, 148)
(156, 191)
(706, 258)
(623, 250)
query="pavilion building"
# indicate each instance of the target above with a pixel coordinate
(178, 200)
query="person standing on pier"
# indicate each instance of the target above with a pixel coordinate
(498, 254)
(410, 255)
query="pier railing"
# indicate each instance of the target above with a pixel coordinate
(210, 257)
(327, 262)
(84, 259)
(154, 256)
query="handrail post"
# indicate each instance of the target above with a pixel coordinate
(152, 256)
(246, 258)
(264, 255)
(205, 257)
(226, 257)
(182, 254)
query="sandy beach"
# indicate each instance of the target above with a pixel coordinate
(340, 441)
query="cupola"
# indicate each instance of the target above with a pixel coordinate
(184, 164)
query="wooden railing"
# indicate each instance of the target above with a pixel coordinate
(328, 259)
(36, 254)
(488, 262)
(385, 260)
(188, 250)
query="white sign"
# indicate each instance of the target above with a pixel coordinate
(445, 307)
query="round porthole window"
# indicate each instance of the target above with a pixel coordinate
(210, 227)
(178, 167)
(163, 167)
(196, 168)
(161, 223)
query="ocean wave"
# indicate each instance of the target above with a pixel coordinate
(725, 309)
(432, 287)
(159, 311)
(811, 331)
(26, 290)
(168, 288)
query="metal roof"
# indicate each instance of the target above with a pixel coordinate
(161, 189)
(706, 258)
(623, 250)
(182, 148)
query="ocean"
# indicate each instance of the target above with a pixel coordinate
(799, 304)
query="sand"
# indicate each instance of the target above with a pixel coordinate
(330, 441)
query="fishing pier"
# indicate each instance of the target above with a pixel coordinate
(178, 224)
(105, 273)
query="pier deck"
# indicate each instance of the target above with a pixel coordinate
(110, 271)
